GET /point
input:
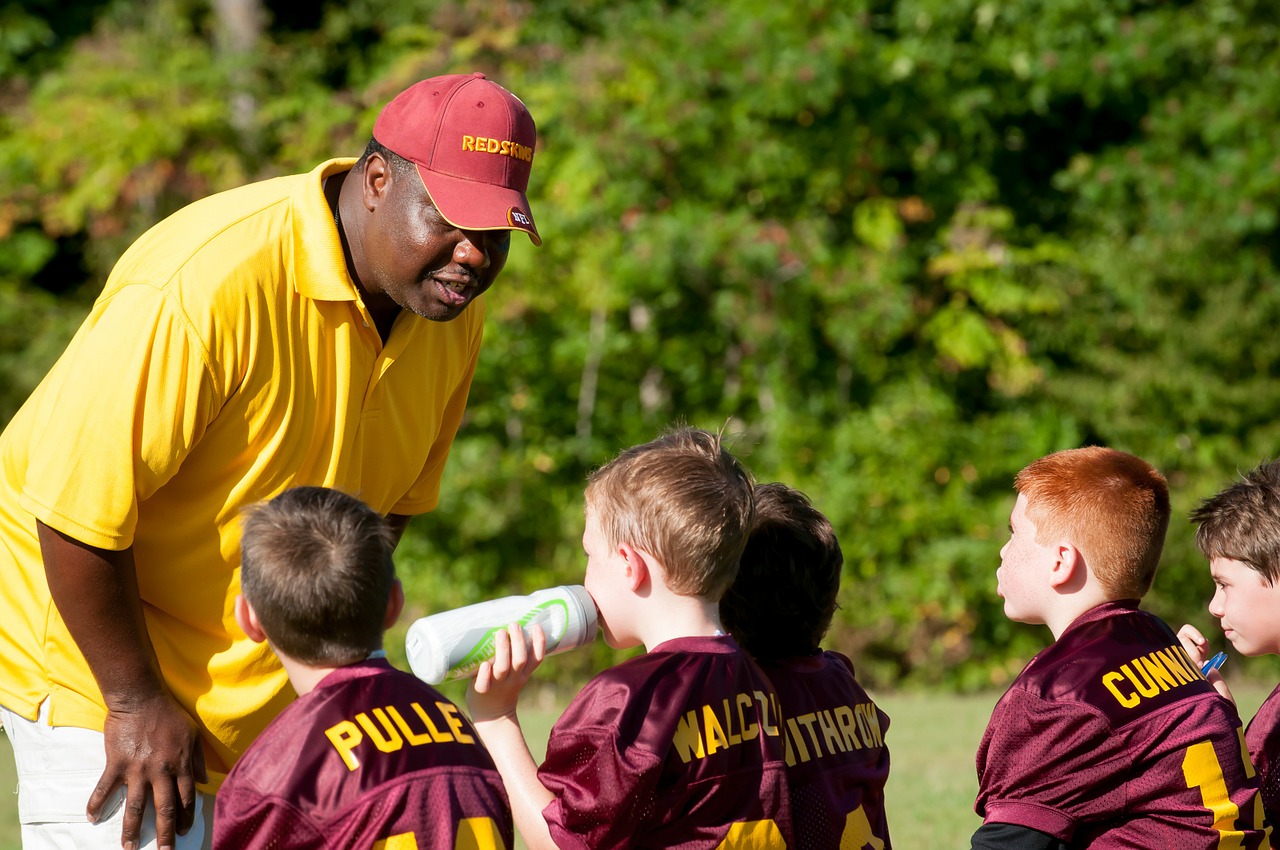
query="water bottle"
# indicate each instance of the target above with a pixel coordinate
(453, 644)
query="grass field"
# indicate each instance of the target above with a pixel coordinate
(932, 739)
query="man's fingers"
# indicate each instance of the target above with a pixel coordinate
(135, 807)
(107, 783)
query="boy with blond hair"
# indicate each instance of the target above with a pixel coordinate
(1239, 534)
(779, 610)
(368, 755)
(1110, 737)
(678, 748)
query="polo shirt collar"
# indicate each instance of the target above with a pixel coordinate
(320, 269)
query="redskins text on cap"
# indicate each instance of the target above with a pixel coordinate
(473, 142)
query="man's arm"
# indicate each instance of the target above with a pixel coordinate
(492, 699)
(152, 744)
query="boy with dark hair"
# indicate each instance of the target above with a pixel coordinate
(367, 756)
(1239, 533)
(779, 609)
(679, 748)
(1110, 737)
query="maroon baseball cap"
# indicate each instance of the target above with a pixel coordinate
(473, 142)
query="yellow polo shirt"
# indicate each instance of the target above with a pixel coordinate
(228, 358)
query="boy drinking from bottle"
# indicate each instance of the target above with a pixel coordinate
(679, 748)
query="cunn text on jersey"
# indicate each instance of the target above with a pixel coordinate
(707, 730)
(390, 728)
(1150, 675)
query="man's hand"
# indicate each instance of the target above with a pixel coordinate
(154, 749)
(496, 688)
(151, 742)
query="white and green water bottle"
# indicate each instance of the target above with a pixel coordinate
(453, 644)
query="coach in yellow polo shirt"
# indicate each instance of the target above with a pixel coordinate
(318, 329)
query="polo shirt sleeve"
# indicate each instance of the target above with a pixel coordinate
(133, 395)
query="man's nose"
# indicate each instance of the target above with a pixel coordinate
(470, 252)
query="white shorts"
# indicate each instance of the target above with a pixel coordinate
(58, 768)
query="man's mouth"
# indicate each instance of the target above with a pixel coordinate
(453, 292)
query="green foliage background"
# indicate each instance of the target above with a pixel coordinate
(901, 248)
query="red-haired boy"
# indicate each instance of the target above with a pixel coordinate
(1110, 737)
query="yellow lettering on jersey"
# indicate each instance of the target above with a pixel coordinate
(848, 727)
(1128, 699)
(750, 729)
(415, 739)
(345, 737)
(734, 737)
(688, 738)
(807, 720)
(797, 740)
(388, 743)
(1158, 673)
(869, 724)
(436, 735)
(716, 739)
(765, 701)
(1176, 666)
(829, 733)
(403, 841)
(478, 834)
(753, 835)
(454, 721)
(1150, 675)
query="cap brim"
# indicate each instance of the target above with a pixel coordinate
(469, 205)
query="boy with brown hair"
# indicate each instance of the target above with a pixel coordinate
(678, 748)
(779, 610)
(367, 756)
(1110, 737)
(1239, 534)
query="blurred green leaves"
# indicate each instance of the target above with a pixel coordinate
(901, 248)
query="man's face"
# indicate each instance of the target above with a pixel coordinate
(412, 256)
(1247, 608)
(1022, 579)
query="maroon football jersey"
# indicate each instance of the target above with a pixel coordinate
(1263, 737)
(1110, 738)
(837, 761)
(372, 754)
(680, 748)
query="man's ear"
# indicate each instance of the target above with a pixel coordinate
(1068, 568)
(395, 604)
(637, 565)
(375, 180)
(247, 619)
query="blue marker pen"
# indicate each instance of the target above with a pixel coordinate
(1214, 663)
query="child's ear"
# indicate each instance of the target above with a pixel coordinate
(395, 604)
(247, 619)
(637, 569)
(1069, 567)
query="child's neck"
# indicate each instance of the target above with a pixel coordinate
(681, 616)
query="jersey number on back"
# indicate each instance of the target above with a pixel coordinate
(473, 834)
(1201, 769)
